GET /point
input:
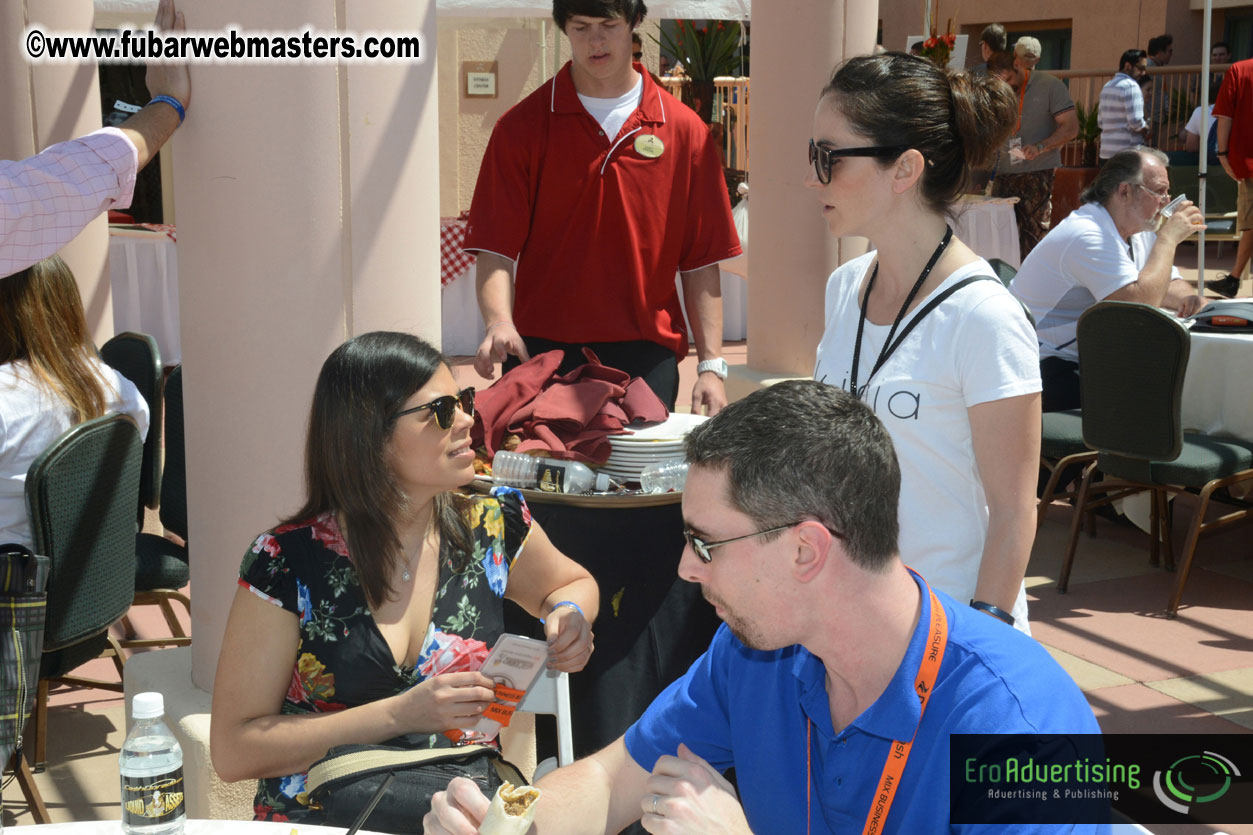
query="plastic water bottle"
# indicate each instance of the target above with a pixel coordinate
(546, 474)
(664, 476)
(151, 764)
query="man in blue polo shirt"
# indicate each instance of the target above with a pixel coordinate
(832, 657)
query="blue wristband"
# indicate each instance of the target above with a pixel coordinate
(174, 103)
(570, 604)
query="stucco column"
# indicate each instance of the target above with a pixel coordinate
(48, 103)
(308, 213)
(790, 252)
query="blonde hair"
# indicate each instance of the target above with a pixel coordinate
(42, 324)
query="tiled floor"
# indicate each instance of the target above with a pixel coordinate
(1140, 671)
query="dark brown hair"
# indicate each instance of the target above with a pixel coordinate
(956, 121)
(42, 324)
(632, 11)
(1000, 61)
(361, 387)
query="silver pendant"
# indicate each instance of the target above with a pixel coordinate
(406, 576)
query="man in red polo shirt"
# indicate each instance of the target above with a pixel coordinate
(593, 192)
(1234, 109)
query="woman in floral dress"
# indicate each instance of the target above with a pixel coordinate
(355, 619)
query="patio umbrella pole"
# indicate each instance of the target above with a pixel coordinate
(1203, 157)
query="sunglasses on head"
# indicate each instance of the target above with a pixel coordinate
(444, 407)
(823, 158)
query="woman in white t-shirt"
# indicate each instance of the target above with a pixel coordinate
(50, 380)
(952, 371)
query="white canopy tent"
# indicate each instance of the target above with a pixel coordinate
(657, 9)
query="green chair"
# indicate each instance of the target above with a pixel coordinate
(1004, 271)
(1132, 361)
(81, 494)
(137, 358)
(1061, 449)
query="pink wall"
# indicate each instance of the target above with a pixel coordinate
(48, 103)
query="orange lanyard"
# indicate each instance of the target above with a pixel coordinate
(1022, 94)
(898, 753)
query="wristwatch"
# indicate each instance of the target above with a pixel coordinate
(717, 365)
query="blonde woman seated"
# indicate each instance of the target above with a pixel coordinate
(350, 612)
(50, 380)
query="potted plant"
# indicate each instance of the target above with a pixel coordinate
(704, 53)
(1071, 179)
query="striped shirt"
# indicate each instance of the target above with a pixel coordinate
(1121, 115)
(46, 200)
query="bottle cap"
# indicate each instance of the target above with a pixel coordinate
(602, 482)
(147, 705)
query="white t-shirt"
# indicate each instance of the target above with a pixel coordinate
(613, 113)
(1079, 262)
(31, 418)
(1194, 122)
(975, 347)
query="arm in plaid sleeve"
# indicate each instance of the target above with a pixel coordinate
(47, 199)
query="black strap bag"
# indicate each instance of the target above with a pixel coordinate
(23, 606)
(344, 782)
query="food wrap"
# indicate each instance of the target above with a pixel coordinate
(512, 810)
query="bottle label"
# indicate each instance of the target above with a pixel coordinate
(152, 800)
(551, 478)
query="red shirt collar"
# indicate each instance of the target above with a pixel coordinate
(652, 109)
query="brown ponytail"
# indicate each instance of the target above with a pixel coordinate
(954, 120)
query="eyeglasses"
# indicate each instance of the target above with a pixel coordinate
(823, 158)
(1162, 196)
(442, 407)
(638, 56)
(702, 548)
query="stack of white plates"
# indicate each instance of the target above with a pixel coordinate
(649, 443)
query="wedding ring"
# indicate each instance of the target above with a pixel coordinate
(654, 804)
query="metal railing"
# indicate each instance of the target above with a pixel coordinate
(1171, 94)
(730, 113)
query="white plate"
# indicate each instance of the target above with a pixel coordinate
(672, 428)
(624, 457)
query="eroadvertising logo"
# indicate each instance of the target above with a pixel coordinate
(1087, 778)
(1179, 786)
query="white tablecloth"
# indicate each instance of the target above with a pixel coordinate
(463, 326)
(1218, 388)
(987, 226)
(143, 273)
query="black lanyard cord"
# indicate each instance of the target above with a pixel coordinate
(888, 347)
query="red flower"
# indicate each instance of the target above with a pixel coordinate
(328, 707)
(266, 813)
(296, 690)
(704, 30)
(931, 43)
(722, 26)
(951, 40)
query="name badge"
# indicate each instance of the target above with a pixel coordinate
(648, 145)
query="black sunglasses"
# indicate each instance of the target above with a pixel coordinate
(442, 407)
(702, 548)
(823, 158)
(638, 56)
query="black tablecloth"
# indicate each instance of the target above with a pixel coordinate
(651, 626)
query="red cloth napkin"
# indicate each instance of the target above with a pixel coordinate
(569, 416)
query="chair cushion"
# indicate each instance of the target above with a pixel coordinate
(1062, 434)
(60, 662)
(160, 563)
(1203, 459)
